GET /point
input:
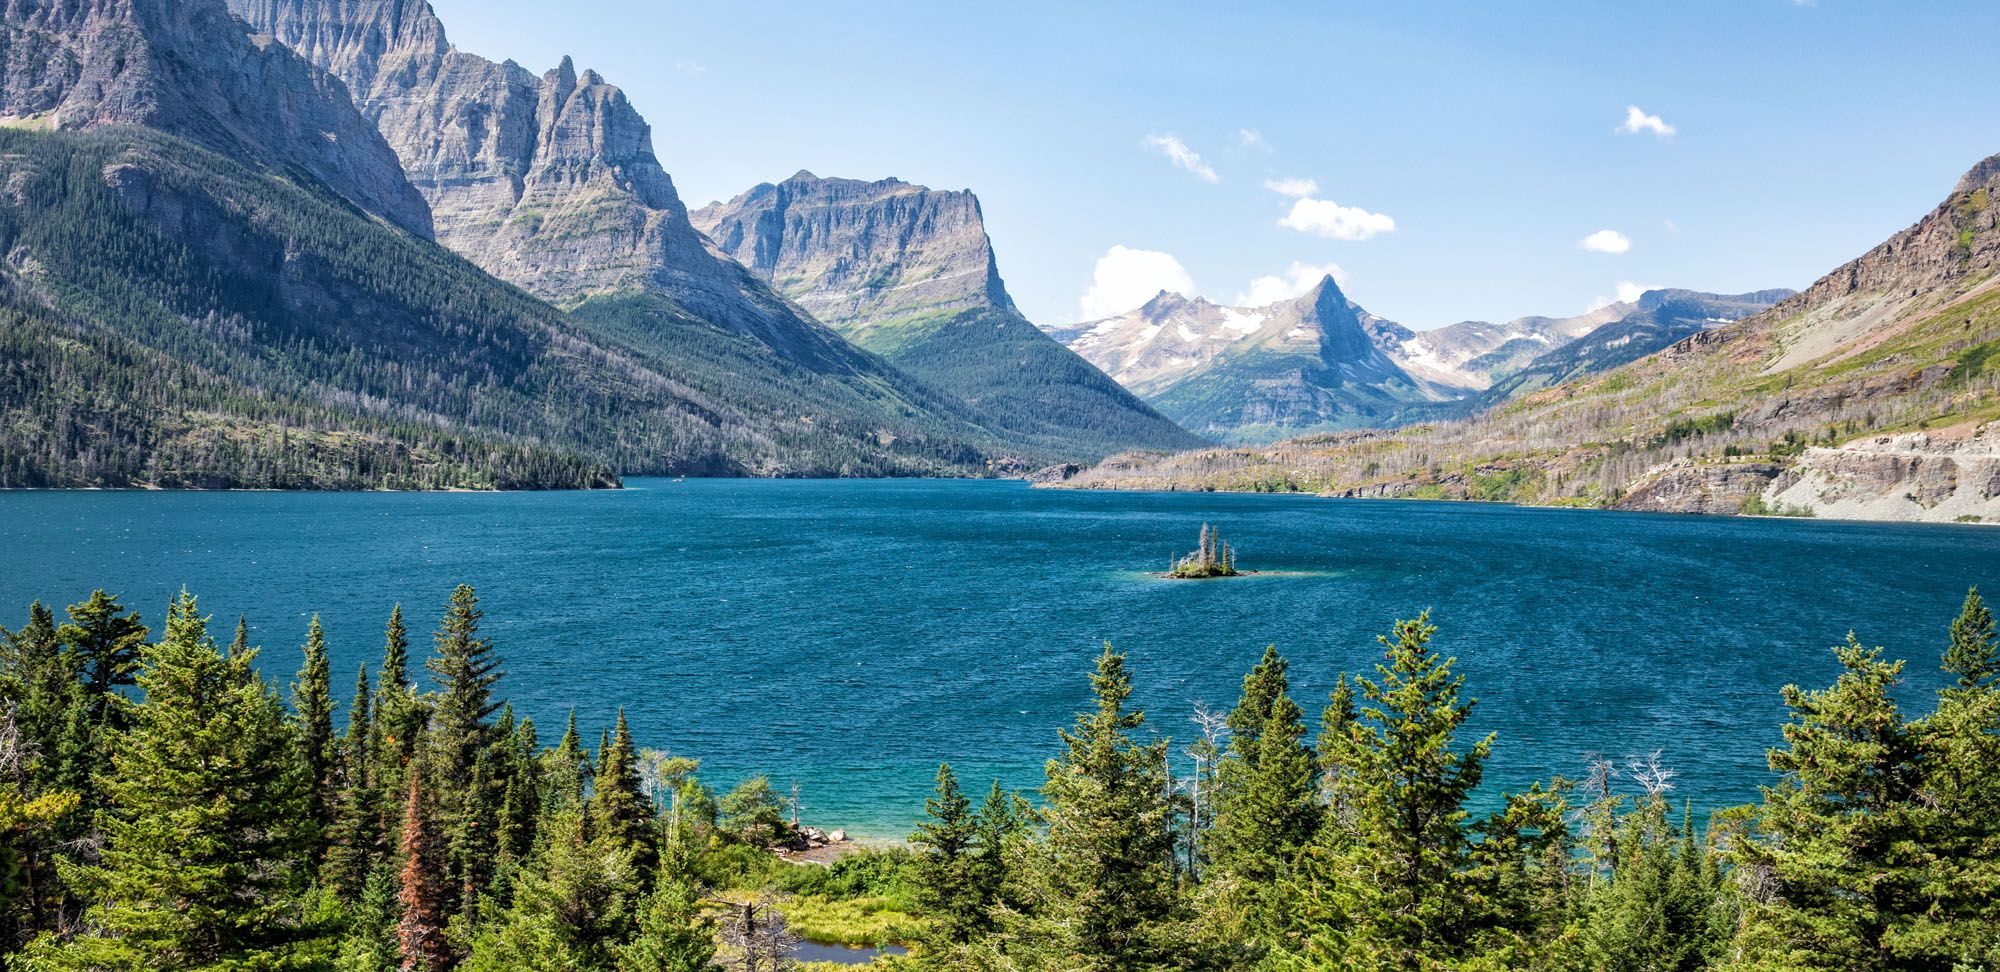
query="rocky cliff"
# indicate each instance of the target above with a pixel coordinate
(549, 182)
(188, 68)
(860, 255)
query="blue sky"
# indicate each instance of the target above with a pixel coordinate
(1450, 158)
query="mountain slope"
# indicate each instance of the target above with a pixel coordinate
(1868, 394)
(909, 273)
(189, 69)
(551, 183)
(299, 327)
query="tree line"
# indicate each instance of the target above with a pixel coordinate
(165, 806)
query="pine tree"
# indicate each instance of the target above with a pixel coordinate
(422, 891)
(1957, 817)
(1972, 655)
(946, 879)
(1003, 819)
(240, 643)
(573, 906)
(1836, 828)
(674, 934)
(461, 747)
(1394, 892)
(1105, 896)
(1265, 808)
(203, 850)
(106, 643)
(354, 839)
(1336, 728)
(399, 718)
(312, 703)
(619, 811)
(566, 770)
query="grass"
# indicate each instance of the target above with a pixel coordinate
(873, 921)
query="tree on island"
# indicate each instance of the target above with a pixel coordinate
(1214, 558)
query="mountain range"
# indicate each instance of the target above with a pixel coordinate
(909, 273)
(1871, 394)
(285, 194)
(1321, 362)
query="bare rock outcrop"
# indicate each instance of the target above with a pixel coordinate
(1693, 486)
(188, 68)
(858, 253)
(547, 181)
(1937, 477)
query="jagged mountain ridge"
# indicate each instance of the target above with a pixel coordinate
(1170, 346)
(178, 316)
(192, 70)
(909, 272)
(1872, 394)
(1312, 363)
(549, 182)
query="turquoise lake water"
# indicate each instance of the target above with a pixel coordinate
(846, 636)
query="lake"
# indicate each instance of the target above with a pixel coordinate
(846, 636)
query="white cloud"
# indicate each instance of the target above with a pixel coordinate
(1606, 241)
(1294, 281)
(1672, 227)
(1627, 292)
(690, 67)
(1252, 140)
(1297, 188)
(1126, 278)
(1180, 155)
(1322, 217)
(1637, 121)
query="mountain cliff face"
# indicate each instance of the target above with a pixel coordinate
(862, 255)
(1871, 394)
(909, 273)
(548, 182)
(188, 68)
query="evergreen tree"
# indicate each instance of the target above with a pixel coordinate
(619, 811)
(461, 747)
(674, 934)
(240, 643)
(1003, 819)
(312, 704)
(106, 643)
(422, 891)
(1104, 895)
(1972, 655)
(400, 715)
(1843, 881)
(573, 906)
(566, 770)
(354, 839)
(203, 843)
(1266, 809)
(521, 799)
(946, 878)
(1957, 816)
(752, 814)
(1395, 891)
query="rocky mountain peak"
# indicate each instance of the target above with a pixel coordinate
(1985, 175)
(548, 181)
(861, 255)
(188, 68)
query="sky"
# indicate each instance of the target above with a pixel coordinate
(1446, 161)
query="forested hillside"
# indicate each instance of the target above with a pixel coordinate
(310, 345)
(166, 809)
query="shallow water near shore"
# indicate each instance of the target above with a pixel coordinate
(846, 636)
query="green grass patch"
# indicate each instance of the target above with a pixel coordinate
(874, 921)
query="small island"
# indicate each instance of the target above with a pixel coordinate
(1215, 558)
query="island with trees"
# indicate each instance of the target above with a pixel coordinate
(1213, 558)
